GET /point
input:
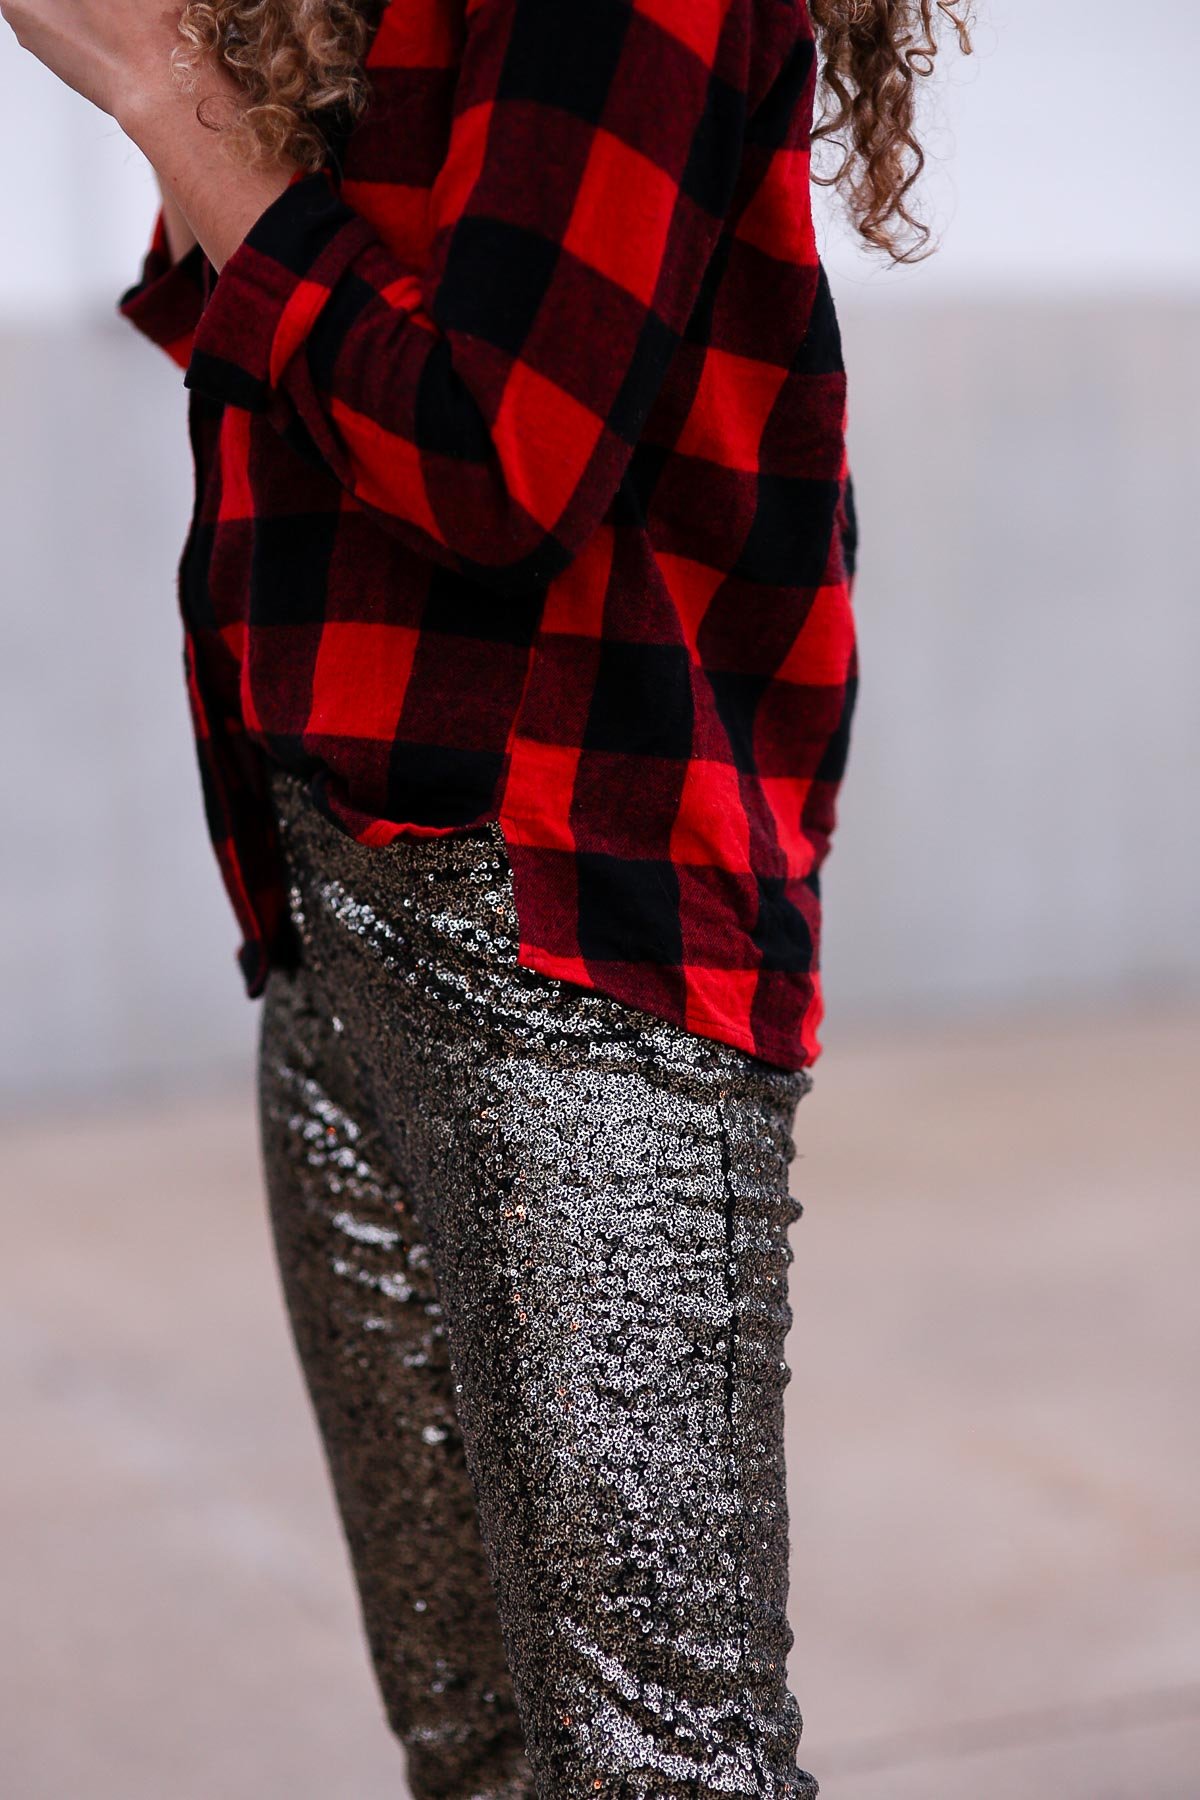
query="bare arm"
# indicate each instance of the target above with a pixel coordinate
(180, 236)
(117, 54)
(206, 194)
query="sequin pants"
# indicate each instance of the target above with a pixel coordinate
(534, 1251)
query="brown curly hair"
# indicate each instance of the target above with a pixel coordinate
(872, 52)
(300, 63)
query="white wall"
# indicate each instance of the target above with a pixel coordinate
(1070, 134)
(77, 204)
(1063, 156)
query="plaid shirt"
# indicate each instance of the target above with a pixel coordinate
(519, 432)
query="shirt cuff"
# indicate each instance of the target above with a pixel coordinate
(272, 290)
(166, 301)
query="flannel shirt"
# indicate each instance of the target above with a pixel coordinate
(522, 495)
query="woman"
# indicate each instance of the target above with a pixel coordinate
(518, 639)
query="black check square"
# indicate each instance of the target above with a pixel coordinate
(435, 786)
(471, 298)
(565, 53)
(628, 911)
(780, 933)
(642, 701)
(788, 543)
(290, 569)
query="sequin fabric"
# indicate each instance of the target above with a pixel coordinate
(534, 1248)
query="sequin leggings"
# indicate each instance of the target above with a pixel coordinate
(534, 1251)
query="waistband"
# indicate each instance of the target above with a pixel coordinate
(429, 925)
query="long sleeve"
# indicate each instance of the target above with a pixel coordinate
(166, 301)
(485, 407)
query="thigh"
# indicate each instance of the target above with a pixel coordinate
(611, 1234)
(371, 1335)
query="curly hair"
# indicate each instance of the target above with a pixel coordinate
(872, 52)
(300, 63)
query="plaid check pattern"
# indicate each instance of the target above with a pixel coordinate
(522, 494)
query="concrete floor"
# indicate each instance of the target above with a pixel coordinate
(994, 1444)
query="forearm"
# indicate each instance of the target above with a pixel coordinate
(118, 54)
(180, 236)
(208, 196)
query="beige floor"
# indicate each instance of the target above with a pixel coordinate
(994, 1444)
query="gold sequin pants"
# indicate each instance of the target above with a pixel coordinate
(534, 1248)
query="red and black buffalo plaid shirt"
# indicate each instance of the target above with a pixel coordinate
(522, 494)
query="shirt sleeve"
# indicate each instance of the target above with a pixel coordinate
(485, 407)
(166, 301)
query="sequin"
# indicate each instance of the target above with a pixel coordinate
(534, 1247)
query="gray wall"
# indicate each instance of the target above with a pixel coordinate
(114, 952)
(1019, 820)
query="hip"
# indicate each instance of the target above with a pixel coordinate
(421, 937)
